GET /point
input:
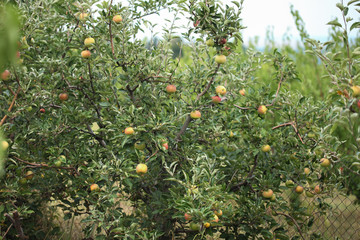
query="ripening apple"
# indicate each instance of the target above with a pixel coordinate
(231, 134)
(4, 145)
(317, 189)
(216, 219)
(63, 96)
(306, 170)
(299, 189)
(262, 109)
(170, 88)
(242, 92)
(141, 168)
(220, 59)
(5, 75)
(42, 110)
(195, 114)
(210, 42)
(29, 175)
(165, 145)
(129, 131)
(358, 103)
(220, 90)
(139, 145)
(289, 183)
(223, 41)
(216, 99)
(89, 41)
(94, 187)
(85, 54)
(266, 148)
(324, 162)
(117, 19)
(268, 193)
(207, 225)
(187, 216)
(356, 91)
(218, 213)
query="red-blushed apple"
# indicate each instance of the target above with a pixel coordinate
(63, 96)
(170, 88)
(129, 131)
(262, 109)
(210, 42)
(242, 92)
(216, 219)
(358, 103)
(85, 54)
(42, 110)
(299, 189)
(5, 75)
(216, 99)
(268, 193)
(187, 216)
(117, 19)
(89, 41)
(165, 145)
(141, 168)
(317, 189)
(266, 148)
(94, 187)
(218, 213)
(220, 59)
(356, 91)
(195, 114)
(222, 41)
(324, 162)
(221, 90)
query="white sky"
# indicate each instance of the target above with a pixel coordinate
(259, 15)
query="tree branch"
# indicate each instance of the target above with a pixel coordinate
(11, 106)
(294, 221)
(15, 220)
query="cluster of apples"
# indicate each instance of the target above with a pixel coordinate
(196, 227)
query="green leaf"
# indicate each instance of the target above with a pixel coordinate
(355, 25)
(334, 23)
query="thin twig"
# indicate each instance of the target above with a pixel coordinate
(152, 155)
(294, 221)
(11, 106)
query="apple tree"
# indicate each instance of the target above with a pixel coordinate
(140, 144)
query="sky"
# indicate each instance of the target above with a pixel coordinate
(260, 15)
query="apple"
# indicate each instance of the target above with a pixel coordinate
(220, 59)
(195, 114)
(218, 213)
(306, 170)
(356, 91)
(29, 175)
(85, 54)
(139, 145)
(63, 96)
(210, 42)
(299, 189)
(170, 88)
(207, 225)
(194, 226)
(262, 109)
(242, 92)
(23, 181)
(58, 163)
(165, 145)
(289, 183)
(83, 16)
(317, 189)
(231, 134)
(216, 219)
(273, 198)
(94, 187)
(141, 168)
(129, 131)
(266, 148)
(5, 75)
(358, 103)
(223, 41)
(42, 110)
(117, 19)
(324, 162)
(268, 193)
(220, 90)
(89, 41)
(187, 216)
(4, 145)
(216, 99)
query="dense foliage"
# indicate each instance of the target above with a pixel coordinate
(89, 101)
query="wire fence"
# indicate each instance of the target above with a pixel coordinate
(336, 217)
